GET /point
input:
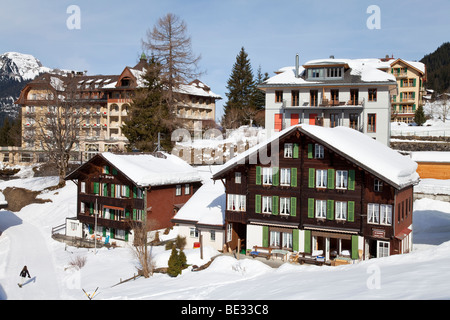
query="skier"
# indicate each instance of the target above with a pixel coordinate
(23, 274)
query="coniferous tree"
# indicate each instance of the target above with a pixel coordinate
(150, 115)
(240, 94)
(419, 116)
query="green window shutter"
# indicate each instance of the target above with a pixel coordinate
(310, 208)
(258, 203)
(127, 213)
(395, 98)
(330, 178)
(275, 205)
(96, 187)
(355, 255)
(91, 229)
(293, 207)
(114, 171)
(401, 83)
(414, 95)
(330, 209)
(295, 239)
(112, 232)
(106, 169)
(293, 177)
(310, 151)
(127, 191)
(105, 189)
(265, 236)
(414, 107)
(91, 208)
(104, 231)
(392, 70)
(258, 175)
(414, 82)
(351, 180)
(126, 236)
(351, 211)
(295, 151)
(308, 241)
(112, 190)
(311, 178)
(276, 176)
(134, 214)
(401, 96)
(134, 192)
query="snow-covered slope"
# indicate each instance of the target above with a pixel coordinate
(423, 274)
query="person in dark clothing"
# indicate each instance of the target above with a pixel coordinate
(23, 275)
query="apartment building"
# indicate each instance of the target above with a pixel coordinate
(101, 104)
(410, 76)
(355, 93)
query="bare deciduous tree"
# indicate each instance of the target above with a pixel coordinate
(59, 127)
(170, 45)
(141, 250)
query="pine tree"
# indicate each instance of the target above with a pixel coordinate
(419, 116)
(240, 94)
(174, 268)
(150, 115)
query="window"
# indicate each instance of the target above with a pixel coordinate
(285, 206)
(334, 120)
(212, 235)
(278, 96)
(285, 177)
(286, 240)
(237, 177)
(280, 239)
(288, 150)
(267, 204)
(341, 210)
(378, 185)
(354, 96)
(386, 214)
(353, 118)
(119, 234)
(193, 232)
(371, 122)
(187, 188)
(313, 97)
(321, 209)
(275, 239)
(382, 249)
(267, 176)
(236, 202)
(83, 187)
(341, 179)
(105, 170)
(373, 213)
(373, 95)
(295, 98)
(315, 73)
(178, 190)
(319, 151)
(321, 178)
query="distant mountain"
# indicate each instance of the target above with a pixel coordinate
(438, 68)
(16, 70)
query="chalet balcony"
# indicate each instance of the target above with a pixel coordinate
(236, 216)
(401, 74)
(122, 224)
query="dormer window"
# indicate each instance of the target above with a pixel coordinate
(125, 82)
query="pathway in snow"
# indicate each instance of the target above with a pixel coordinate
(23, 244)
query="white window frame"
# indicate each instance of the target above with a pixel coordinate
(229, 232)
(83, 187)
(187, 188)
(285, 176)
(178, 190)
(285, 206)
(288, 150)
(383, 249)
(373, 213)
(321, 209)
(386, 214)
(238, 177)
(212, 235)
(378, 185)
(267, 176)
(266, 204)
(341, 179)
(321, 178)
(193, 232)
(341, 210)
(275, 239)
(236, 202)
(319, 151)
(286, 240)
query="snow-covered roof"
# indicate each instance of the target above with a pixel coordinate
(147, 170)
(362, 150)
(369, 70)
(206, 206)
(431, 156)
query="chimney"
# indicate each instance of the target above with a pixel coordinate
(297, 66)
(332, 57)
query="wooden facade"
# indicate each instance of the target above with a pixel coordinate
(109, 198)
(306, 216)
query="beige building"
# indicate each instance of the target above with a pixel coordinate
(410, 76)
(101, 105)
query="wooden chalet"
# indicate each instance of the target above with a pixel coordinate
(117, 189)
(328, 192)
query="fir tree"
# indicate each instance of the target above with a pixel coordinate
(174, 268)
(240, 94)
(419, 116)
(150, 115)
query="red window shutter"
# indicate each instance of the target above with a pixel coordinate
(278, 122)
(295, 117)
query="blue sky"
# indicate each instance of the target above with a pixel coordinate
(272, 32)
